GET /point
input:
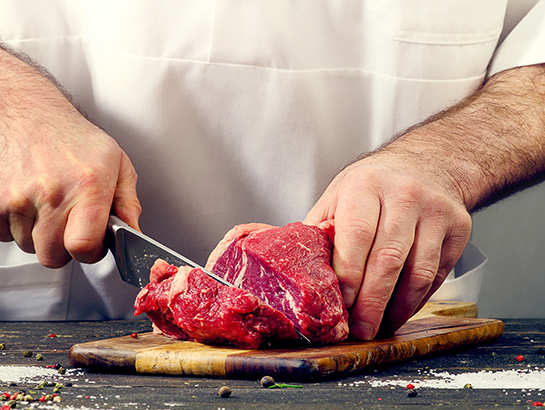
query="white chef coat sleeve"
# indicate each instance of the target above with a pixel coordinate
(525, 44)
(74, 292)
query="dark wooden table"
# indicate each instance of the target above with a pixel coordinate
(91, 390)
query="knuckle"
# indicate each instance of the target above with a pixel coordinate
(374, 305)
(55, 261)
(391, 258)
(422, 278)
(358, 231)
(18, 203)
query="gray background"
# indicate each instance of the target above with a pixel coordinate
(512, 234)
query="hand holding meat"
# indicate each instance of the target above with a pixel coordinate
(60, 174)
(401, 214)
(397, 236)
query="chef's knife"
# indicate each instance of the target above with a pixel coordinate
(135, 254)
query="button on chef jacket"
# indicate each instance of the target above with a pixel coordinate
(242, 111)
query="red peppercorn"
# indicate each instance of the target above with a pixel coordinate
(6, 395)
(134, 335)
(537, 404)
(52, 335)
(410, 386)
(520, 358)
(6, 407)
(42, 398)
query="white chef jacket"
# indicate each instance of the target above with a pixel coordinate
(236, 111)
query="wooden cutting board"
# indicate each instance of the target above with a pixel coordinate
(441, 327)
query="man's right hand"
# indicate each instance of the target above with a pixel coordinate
(61, 176)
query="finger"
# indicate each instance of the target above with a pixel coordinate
(125, 203)
(48, 239)
(21, 214)
(355, 228)
(452, 250)
(20, 228)
(393, 241)
(416, 279)
(86, 228)
(5, 233)
(431, 259)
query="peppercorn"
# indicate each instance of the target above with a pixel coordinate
(468, 386)
(267, 382)
(28, 353)
(224, 392)
(540, 351)
(412, 393)
(2, 346)
(134, 335)
(62, 370)
(520, 358)
(410, 386)
(39, 356)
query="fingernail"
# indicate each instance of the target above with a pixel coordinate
(362, 331)
(349, 295)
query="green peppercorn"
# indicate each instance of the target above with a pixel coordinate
(224, 392)
(2, 346)
(468, 386)
(62, 370)
(28, 353)
(39, 356)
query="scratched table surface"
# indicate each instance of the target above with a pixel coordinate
(380, 388)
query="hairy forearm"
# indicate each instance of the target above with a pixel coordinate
(26, 84)
(483, 147)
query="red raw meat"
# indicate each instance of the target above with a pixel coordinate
(283, 281)
(187, 304)
(289, 268)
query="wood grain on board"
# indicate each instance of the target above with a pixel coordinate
(441, 327)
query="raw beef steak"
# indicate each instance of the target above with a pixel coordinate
(283, 281)
(185, 303)
(289, 268)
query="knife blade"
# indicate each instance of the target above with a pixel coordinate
(135, 254)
